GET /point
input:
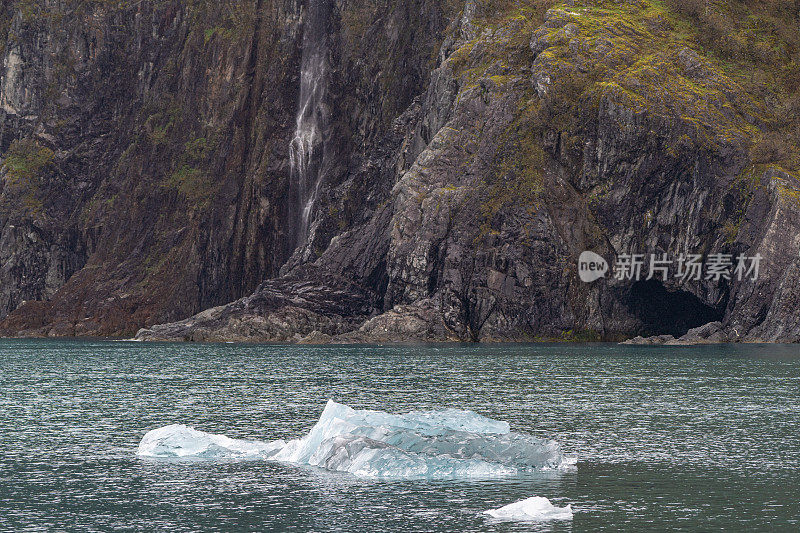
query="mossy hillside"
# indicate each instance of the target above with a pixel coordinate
(628, 52)
(757, 43)
(500, 50)
(742, 83)
(633, 48)
(661, 66)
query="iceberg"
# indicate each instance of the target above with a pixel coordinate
(531, 510)
(446, 444)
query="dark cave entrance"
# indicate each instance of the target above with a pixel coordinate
(664, 312)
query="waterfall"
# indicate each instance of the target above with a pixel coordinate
(306, 150)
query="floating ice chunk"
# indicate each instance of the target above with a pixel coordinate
(448, 444)
(530, 510)
(183, 441)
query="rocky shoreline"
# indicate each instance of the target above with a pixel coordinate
(400, 326)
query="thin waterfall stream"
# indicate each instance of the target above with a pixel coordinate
(307, 147)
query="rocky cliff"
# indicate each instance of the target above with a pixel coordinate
(385, 171)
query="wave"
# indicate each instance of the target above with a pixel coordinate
(447, 444)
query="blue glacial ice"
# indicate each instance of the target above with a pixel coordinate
(534, 509)
(447, 444)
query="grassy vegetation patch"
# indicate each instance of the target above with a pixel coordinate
(189, 177)
(517, 179)
(24, 165)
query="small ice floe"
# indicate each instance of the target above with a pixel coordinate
(536, 509)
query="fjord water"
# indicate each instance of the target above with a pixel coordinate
(678, 438)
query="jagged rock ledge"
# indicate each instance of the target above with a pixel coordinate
(711, 333)
(284, 322)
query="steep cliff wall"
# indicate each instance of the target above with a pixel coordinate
(159, 128)
(434, 176)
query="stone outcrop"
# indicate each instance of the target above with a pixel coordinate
(711, 333)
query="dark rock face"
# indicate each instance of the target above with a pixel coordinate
(463, 160)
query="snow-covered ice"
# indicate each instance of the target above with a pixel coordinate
(446, 444)
(530, 510)
(182, 441)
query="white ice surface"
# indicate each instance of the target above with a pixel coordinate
(182, 441)
(531, 510)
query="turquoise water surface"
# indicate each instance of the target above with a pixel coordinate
(667, 438)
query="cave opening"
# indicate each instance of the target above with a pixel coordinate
(665, 312)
